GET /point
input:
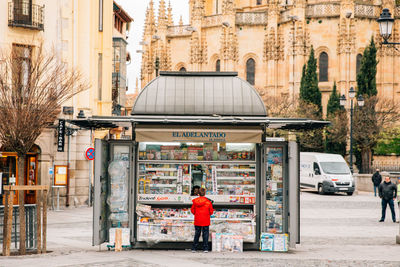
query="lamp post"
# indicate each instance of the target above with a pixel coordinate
(385, 27)
(360, 102)
(293, 19)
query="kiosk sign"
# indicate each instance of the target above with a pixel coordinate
(197, 135)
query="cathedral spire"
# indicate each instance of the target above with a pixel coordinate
(150, 20)
(180, 21)
(146, 22)
(162, 17)
(169, 16)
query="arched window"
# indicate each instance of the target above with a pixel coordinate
(250, 70)
(218, 65)
(182, 69)
(259, 2)
(358, 63)
(323, 67)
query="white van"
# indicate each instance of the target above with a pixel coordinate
(328, 173)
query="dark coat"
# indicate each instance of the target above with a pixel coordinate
(387, 191)
(376, 178)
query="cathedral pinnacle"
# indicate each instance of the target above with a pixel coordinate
(162, 17)
(169, 16)
(150, 20)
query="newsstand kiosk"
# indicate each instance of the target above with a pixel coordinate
(197, 129)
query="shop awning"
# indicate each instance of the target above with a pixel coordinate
(199, 94)
(99, 122)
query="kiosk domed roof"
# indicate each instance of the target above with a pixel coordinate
(199, 93)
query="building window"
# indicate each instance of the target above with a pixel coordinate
(323, 67)
(358, 63)
(182, 69)
(22, 64)
(259, 2)
(250, 71)
(23, 7)
(100, 74)
(216, 6)
(218, 65)
(100, 15)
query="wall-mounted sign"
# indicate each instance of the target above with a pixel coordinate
(61, 135)
(89, 153)
(60, 174)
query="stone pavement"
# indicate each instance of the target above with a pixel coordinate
(336, 230)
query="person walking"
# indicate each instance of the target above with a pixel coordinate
(398, 195)
(376, 180)
(202, 210)
(388, 193)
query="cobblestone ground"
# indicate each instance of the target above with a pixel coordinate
(336, 230)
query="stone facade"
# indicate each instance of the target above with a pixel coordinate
(82, 34)
(265, 31)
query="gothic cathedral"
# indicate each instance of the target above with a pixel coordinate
(268, 41)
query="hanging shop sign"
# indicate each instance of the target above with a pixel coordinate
(61, 136)
(197, 135)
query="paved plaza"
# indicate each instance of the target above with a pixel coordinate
(336, 230)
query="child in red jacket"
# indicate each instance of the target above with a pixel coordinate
(202, 209)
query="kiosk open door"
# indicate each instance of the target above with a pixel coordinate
(280, 208)
(113, 187)
(274, 185)
(101, 188)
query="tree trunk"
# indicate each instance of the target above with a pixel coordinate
(21, 203)
(366, 160)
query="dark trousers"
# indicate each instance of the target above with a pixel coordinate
(391, 205)
(198, 230)
(376, 189)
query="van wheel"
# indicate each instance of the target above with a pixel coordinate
(349, 193)
(320, 190)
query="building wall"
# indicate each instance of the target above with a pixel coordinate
(71, 28)
(264, 32)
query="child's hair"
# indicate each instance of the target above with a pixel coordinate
(202, 192)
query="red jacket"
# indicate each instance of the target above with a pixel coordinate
(202, 210)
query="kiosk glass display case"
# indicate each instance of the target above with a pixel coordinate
(167, 174)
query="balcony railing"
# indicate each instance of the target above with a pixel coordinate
(323, 10)
(251, 18)
(26, 15)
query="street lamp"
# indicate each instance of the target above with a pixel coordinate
(386, 22)
(385, 27)
(360, 102)
(293, 19)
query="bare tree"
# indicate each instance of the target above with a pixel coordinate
(33, 85)
(375, 116)
(337, 133)
(283, 106)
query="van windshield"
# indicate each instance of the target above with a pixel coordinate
(335, 168)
